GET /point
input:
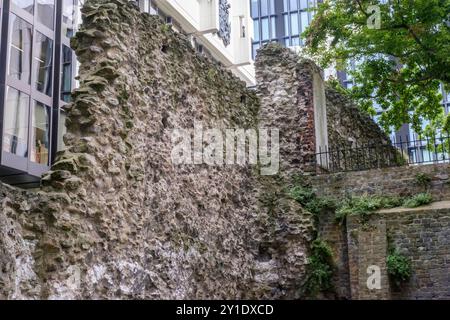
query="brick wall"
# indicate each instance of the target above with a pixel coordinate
(395, 181)
(421, 234)
(336, 235)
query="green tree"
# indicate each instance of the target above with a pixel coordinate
(403, 60)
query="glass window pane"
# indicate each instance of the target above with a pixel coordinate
(265, 29)
(62, 130)
(293, 5)
(66, 77)
(286, 25)
(40, 133)
(20, 51)
(15, 139)
(303, 4)
(295, 41)
(256, 30)
(46, 12)
(294, 24)
(285, 5)
(273, 28)
(27, 5)
(264, 8)
(304, 20)
(272, 6)
(68, 15)
(256, 46)
(43, 63)
(254, 8)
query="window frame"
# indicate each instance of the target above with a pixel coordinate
(12, 161)
(271, 17)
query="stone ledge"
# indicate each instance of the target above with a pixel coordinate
(435, 206)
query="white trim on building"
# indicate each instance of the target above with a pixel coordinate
(201, 20)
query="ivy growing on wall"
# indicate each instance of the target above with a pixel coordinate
(399, 268)
(319, 270)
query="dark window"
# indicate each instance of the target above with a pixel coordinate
(43, 64)
(40, 133)
(66, 76)
(15, 139)
(20, 52)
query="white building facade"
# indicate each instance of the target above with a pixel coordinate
(221, 29)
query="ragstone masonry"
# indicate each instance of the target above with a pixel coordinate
(356, 142)
(285, 86)
(115, 218)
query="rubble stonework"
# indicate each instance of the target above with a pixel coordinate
(356, 142)
(285, 87)
(116, 219)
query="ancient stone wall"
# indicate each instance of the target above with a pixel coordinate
(294, 96)
(356, 142)
(116, 218)
(420, 234)
(285, 86)
(396, 181)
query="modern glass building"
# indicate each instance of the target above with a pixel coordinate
(36, 78)
(38, 68)
(282, 21)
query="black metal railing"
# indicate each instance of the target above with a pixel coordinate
(371, 156)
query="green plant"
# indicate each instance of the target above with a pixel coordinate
(423, 180)
(364, 206)
(418, 200)
(401, 62)
(302, 194)
(319, 205)
(309, 201)
(319, 269)
(399, 267)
